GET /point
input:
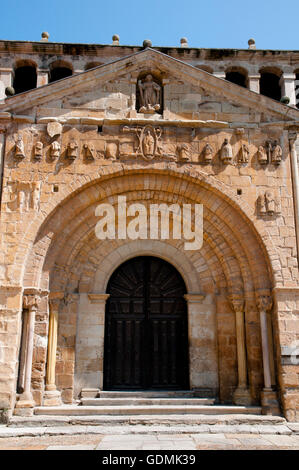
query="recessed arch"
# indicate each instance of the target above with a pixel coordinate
(25, 75)
(60, 69)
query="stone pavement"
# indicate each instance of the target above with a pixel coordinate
(155, 441)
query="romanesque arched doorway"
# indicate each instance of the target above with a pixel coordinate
(146, 327)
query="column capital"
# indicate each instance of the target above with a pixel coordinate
(31, 301)
(293, 134)
(237, 302)
(54, 301)
(264, 301)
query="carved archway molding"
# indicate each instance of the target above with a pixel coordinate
(184, 173)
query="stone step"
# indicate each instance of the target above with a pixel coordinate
(161, 423)
(133, 401)
(75, 410)
(152, 394)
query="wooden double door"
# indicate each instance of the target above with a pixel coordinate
(146, 328)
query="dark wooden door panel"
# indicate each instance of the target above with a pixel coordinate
(146, 341)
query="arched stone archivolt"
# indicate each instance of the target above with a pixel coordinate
(81, 198)
(67, 257)
(230, 243)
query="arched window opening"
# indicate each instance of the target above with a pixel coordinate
(25, 78)
(236, 77)
(269, 85)
(57, 73)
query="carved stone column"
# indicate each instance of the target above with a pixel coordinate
(242, 393)
(269, 399)
(25, 401)
(52, 396)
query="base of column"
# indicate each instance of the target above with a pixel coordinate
(24, 405)
(52, 398)
(242, 397)
(269, 402)
(89, 392)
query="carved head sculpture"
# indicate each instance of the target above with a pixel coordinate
(264, 302)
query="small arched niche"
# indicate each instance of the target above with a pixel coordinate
(269, 82)
(237, 75)
(149, 93)
(25, 76)
(59, 70)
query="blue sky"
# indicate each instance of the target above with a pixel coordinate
(209, 23)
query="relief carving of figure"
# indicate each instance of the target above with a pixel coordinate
(269, 204)
(226, 152)
(55, 149)
(38, 150)
(148, 144)
(19, 148)
(276, 153)
(262, 155)
(36, 196)
(150, 95)
(89, 152)
(184, 152)
(244, 154)
(208, 153)
(72, 150)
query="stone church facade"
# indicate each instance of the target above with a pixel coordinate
(80, 314)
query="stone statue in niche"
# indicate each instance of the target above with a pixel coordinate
(262, 155)
(208, 153)
(55, 149)
(111, 150)
(276, 153)
(19, 148)
(268, 204)
(38, 150)
(72, 150)
(89, 152)
(226, 152)
(150, 95)
(244, 154)
(184, 152)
